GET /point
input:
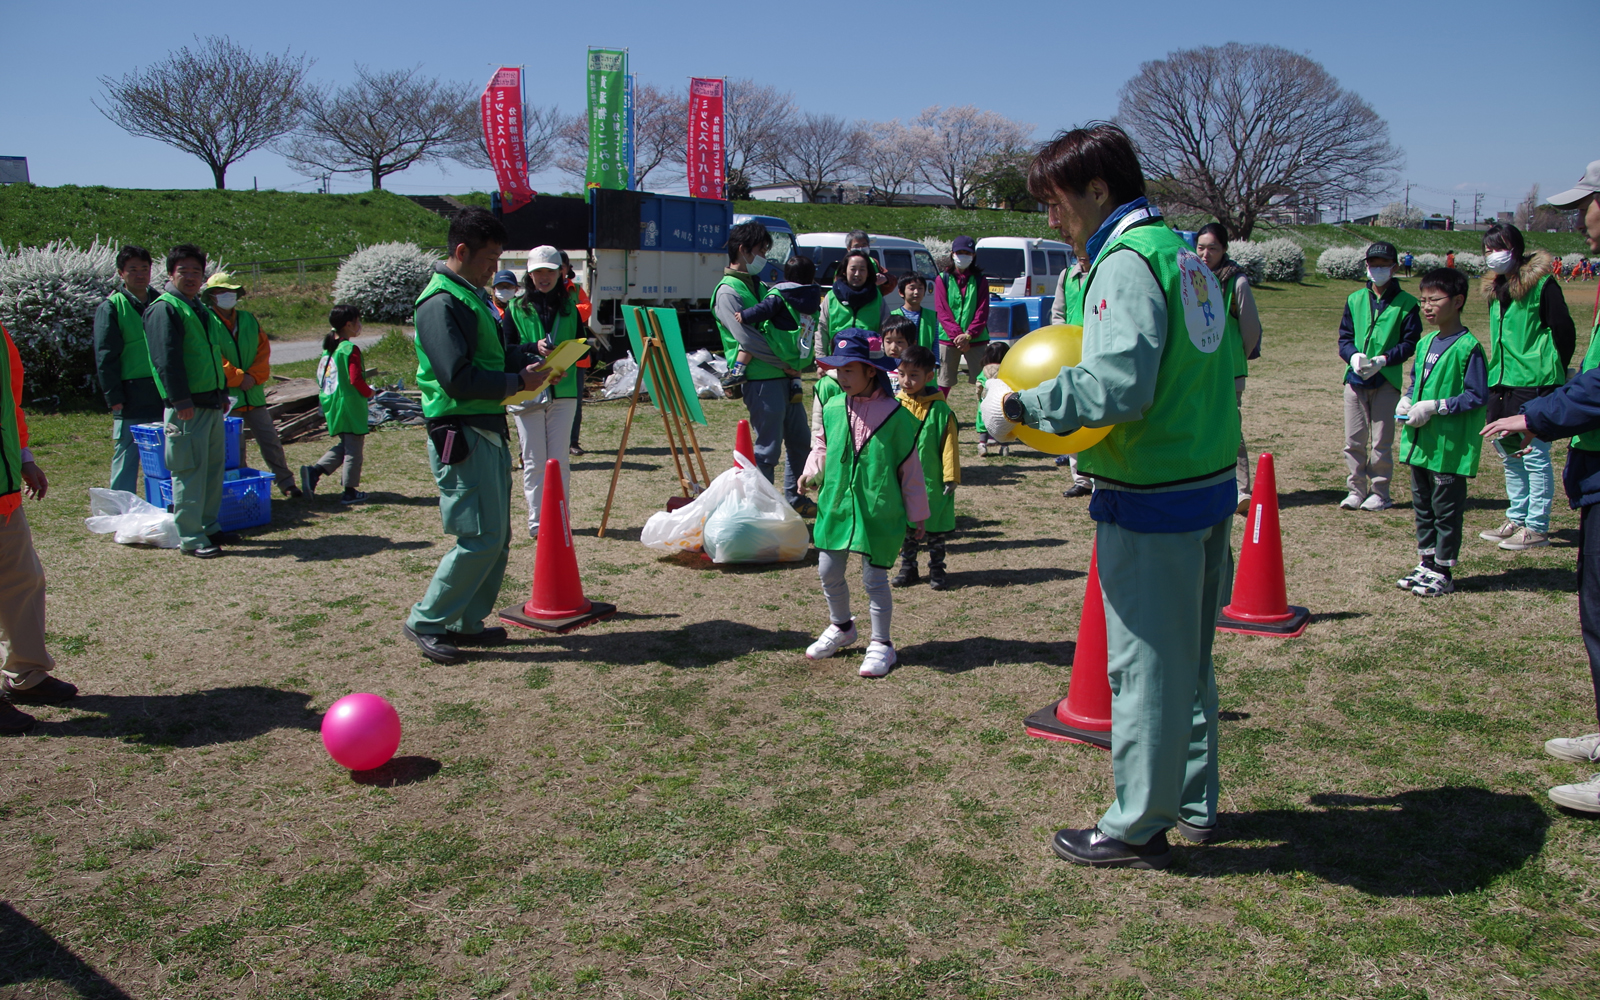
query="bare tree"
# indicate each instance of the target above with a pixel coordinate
(819, 152)
(1224, 130)
(962, 142)
(572, 144)
(383, 123)
(755, 118)
(220, 102)
(1527, 207)
(541, 132)
(1003, 180)
(660, 130)
(890, 156)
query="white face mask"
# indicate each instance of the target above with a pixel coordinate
(963, 261)
(503, 294)
(226, 300)
(1380, 275)
(757, 264)
(1499, 261)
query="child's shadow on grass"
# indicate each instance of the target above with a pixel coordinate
(1557, 579)
(198, 718)
(30, 954)
(961, 655)
(961, 579)
(1423, 842)
(702, 644)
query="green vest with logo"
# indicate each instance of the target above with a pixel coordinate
(202, 348)
(1449, 443)
(1589, 440)
(1191, 430)
(930, 451)
(135, 346)
(487, 353)
(861, 508)
(1522, 351)
(756, 370)
(531, 329)
(1375, 335)
(342, 404)
(239, 347)
(963, 304)
(927, 326)
(1072, 293)
(841, 317)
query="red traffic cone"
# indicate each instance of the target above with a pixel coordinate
(1260, 603)
(557, 603)
(742, 443)
(1084, 715)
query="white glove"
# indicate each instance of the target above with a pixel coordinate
(1402, 409)
(1423, 412)
(1358, 361)
(1372, 366)
(994, 418)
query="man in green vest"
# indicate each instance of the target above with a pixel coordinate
(1068, 308)
(122, 360)
(1379, 331)
(465, 372)
(1155, 371)
(246, 366)
(185, 351)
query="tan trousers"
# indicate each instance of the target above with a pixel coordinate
(258, 420)
(23, 659)
(1369, 438)
(950, 362)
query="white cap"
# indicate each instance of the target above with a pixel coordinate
(1589, 184)
(544, 258)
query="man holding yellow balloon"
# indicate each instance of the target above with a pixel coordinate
(1150, 410)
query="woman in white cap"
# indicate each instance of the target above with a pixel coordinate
(544, 314)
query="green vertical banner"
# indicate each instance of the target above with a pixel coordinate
(608, 119)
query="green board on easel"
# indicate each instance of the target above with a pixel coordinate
(673, 336)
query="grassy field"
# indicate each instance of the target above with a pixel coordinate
(675, 803)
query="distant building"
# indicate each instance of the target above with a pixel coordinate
(841, 194)
(13, 170)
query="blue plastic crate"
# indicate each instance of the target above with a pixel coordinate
(152, 442)
(246, 498)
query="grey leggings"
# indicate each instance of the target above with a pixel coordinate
(831, 565)
(347, 450)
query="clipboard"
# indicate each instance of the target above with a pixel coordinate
(558, 361)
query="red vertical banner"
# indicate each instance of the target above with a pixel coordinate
(501, 107)
(707, 176)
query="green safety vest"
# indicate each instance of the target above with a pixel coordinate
(343, 406)
(1375, 335)
(488, 353)
(927, 326)
(965, 304)
(842, 317)
(1449, 443)
(1191, 430)
(827, 388)
(531, 328)
(930, 449)
(861, 508)
(1231, 335)
(1589, 440)
(1522, 351)
(135, 346)
(786, 343)
(1072, 308)
(756, 370)
(240, 347)
(202, 350)
(10, 433)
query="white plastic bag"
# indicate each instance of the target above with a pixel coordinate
(707, 370)
(759, 527)
(681, 530)
(619, 384)
(134, 520)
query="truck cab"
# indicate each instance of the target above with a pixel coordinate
(1019, 267)
(782, 244)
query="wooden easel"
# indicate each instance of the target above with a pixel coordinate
(668, 396)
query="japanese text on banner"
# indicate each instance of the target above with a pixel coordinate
(501, 109)
(608, 120)
(706, 167)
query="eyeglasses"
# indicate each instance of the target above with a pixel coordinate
(1434, 301)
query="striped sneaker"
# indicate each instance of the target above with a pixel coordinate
(1412, 578)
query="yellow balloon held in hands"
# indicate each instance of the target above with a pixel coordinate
(1036, 359)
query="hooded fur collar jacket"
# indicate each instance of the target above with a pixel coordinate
(1520, 282)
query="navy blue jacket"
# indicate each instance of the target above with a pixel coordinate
(1410, 333)
(1572, 409)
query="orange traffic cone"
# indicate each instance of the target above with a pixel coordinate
(742, 443)
(557, 603)
(1084, 715)
(1260, 603)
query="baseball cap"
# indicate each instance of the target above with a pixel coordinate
(1589, 184)
(1382, 249)
(963, 244)
(546, 258)
(504, 278)
(224, 281)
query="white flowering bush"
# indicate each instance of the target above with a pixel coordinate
(1470, 264)
(48, 298)
(938, 248)
(1273, 260)
(1349, 263)
(384, 280)
(1570, 261)
(1422, 263)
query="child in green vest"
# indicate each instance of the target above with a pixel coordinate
(913, 289)
(343, 391)
(788, 312)
(940, 455)
(1441, 416)
(992, 356)
(899, 334)
(872, 489)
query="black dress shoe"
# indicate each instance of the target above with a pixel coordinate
(1078, 490)
(435, 647)
(50, 691)
(224, 538)
(1093, 848)
(494, 635)
(1197, 834)
(205, 552)
(14, 722)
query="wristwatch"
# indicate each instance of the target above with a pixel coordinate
(1011, 406)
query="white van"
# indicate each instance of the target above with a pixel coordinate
(1018, 266)
(893, 254)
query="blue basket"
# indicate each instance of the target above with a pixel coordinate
(152, 442)
(246, 498)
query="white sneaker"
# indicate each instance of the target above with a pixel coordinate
(1500, 534)
(1376, 502)
(1433, 584)
(1583, 796)
(1412, 578)
(1525, 538)
(832, 639)
(1351, 502)
(1583, 749)
(880, 657)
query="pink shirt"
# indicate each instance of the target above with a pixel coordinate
(867, 414)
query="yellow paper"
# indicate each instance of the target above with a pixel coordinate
(557, 362)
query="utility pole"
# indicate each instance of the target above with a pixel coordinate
(1477, 203)
(1452, 213)
(1406, 218)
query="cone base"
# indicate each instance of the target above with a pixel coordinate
(515, 615)
(1290, 628)
(1044, 725)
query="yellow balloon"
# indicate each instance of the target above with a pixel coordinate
(1036, 359)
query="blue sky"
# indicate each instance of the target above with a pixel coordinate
(1478, 102)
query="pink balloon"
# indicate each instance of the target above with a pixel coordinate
(361, 731)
